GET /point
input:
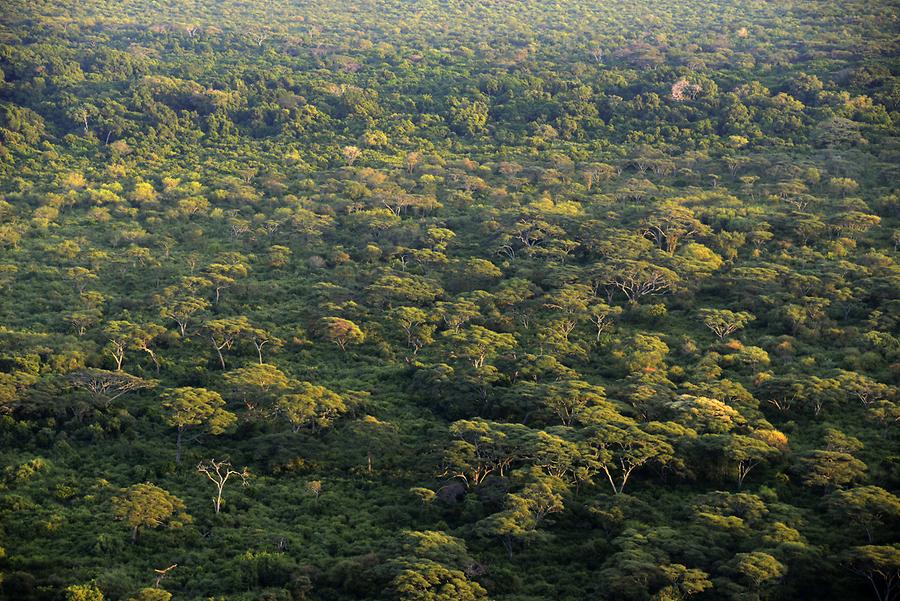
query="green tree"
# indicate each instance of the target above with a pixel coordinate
(480, 448)
(829, 469)
(476, 344)
(189, 407)
(880, 566)
(742, 454)
(149, 506)
(342, 332)
(310, 406)
(83, 592)
(152, 594)
(617, 450)
(525, 511)
(426, 580)
(225, 333)
(257, 386)
(759, 571)
(723, 322)
(871, 508)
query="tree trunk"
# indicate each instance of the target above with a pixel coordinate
(219, 351)
(178, 444)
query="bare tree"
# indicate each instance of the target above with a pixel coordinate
(161, 574)
(219, 472)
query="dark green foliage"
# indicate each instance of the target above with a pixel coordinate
(449, 300)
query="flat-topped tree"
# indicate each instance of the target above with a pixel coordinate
(670, 223)
(182, 302)
(149, 506)
(617, 450)
(187, 407)
(637, 278)
(481, 448)
(377, 436)
(601, 315)
(257, 385)
(104, 386)
(224, 333)
(758, 571)
(525, 511)
(342, 332)
(879, 565)
(723, 322)
(125, 335)
(262, 338)
(873, 509)
(227, 272)
(476, 344)
(568, 400)
(416, 326)
(310, 406)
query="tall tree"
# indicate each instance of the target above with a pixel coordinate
(189, 407)
(149, 506)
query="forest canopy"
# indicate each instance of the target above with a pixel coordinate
(441, 300)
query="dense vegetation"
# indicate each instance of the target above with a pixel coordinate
(445, 300)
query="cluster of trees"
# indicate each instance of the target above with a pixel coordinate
(428, 300)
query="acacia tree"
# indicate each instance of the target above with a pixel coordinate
(107, 386)
(569, 305)
(311, 406)
(637, 279)
(223, 275)
(342, 332)
(182, 302)
(829, 469)
(742, 454)
(864, 388)
(601, 315)
(421, 578)
(125, 335)
(670, 223)
(376, 435)
(618, 450)
(262, 338)
(218, 473)
(870, 507)
(481, 448)
(477, 343)
(417, 328)
(83, 592)
(758, 570)
(224, 333)
(570, 399)
(257, 384)
(187, 407)
(525, 511)
(723, 322)
(880, 566)
(455, 314)
(147, 505)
